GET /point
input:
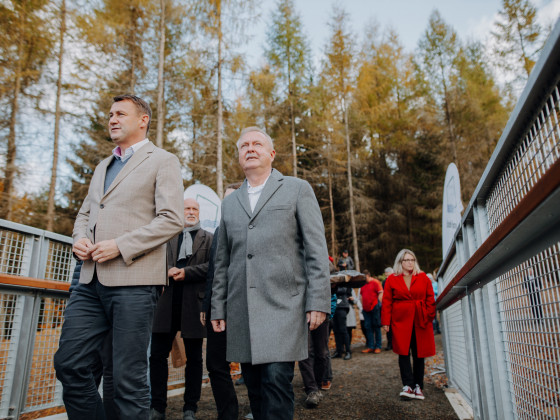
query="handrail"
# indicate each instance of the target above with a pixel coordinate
(542, 191)
(30, 282)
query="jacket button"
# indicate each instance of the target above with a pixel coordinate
(102, 206)
(250, 256)
(251, 226)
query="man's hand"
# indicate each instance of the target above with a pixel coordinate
(315, 318)
(82, 248)
(385, 327)
(203, 318)
(178, 274)
(105, 251)
(219, 325)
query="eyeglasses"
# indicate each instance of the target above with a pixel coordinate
(408, 260)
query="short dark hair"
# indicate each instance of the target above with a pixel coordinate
(366, 272)
(141, 106)
(234, 186)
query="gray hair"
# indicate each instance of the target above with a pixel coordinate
(397, 268)
(253, 129)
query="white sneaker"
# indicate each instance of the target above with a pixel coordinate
(407, 392)
(418, 394)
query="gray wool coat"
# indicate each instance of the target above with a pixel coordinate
(271, 268)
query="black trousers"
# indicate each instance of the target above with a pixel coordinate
(93, 312)
(270, 390)
(219, 373)
(159, 372)
(313, 369)
(341, 331)
(412, 375)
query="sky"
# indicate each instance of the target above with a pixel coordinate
(472, 19)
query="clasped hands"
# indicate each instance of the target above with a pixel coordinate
(100, 252)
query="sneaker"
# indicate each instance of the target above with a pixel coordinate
(368, 350)
(188, 415)
(418, 394)
(336, 355)
(407, 392)
(326, 385)
(377, 351)
(249, 416)
(313, 399)
(348, 356)
(156, 415)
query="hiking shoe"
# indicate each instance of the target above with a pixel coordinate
(313, 399)
(418, 394)
(156, 415)
(368, 350)
(407, 392)
(326, 385)
(377, 351)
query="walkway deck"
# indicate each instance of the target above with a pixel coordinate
(364, 388)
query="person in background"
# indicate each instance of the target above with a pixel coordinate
(341, 336)
(389, 334)
(409, 309)
(372, 294)
(179, 309)
(435, 287)
(351, 321)
(533, 285)
(216, 362)
(345, 262)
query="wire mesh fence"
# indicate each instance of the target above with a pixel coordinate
(529, 302)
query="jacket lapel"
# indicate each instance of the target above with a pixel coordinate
(243, 198)
(103, 169)
(136, 159)
(271, 186)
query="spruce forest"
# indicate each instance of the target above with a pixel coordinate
(372, 127)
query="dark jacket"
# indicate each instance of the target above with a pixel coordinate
(210, 276)
(342, 295)
(193, 288)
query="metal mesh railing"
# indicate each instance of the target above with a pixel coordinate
(41, 391)
(529, 302)
(13, 252)
(536, 153)
(10, 325)
(453, 319)
(60, 262)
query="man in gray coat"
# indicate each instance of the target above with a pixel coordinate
(271, 282)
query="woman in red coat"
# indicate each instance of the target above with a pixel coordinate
(408, 310)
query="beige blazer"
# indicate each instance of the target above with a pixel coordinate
(142, 209)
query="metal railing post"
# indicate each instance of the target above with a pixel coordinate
(25, 354)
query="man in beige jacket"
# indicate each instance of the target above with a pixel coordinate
(133, 207)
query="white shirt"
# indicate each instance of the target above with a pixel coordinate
(117, 152)
(255, 193)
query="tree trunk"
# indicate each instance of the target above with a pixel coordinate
(350, 190)
(10, 172)
(52, 189)
(219, 160)
(334, 251)
(160, 89)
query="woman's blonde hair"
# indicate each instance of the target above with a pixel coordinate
(397, 268)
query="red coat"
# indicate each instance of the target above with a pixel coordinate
(403, 308)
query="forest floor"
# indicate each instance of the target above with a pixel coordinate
(365, 387)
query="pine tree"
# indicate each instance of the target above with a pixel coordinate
(288, 52)
(24, 50)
